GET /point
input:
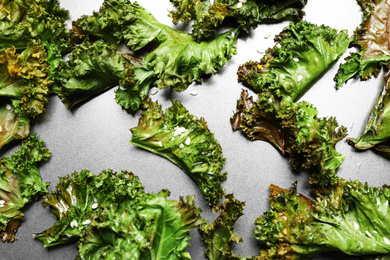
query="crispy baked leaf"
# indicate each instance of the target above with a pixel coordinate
(133, 95)
(178, 63)
(208, 16)
(155, 228)
(76, 197)
(302, 54)
(93, 68)
(372, 38)
(48, 21)
(25, 80)
(112, 217)
(20, 183)
(219, 236)
(296, 130)
(33, 39)
(349, 217)
(37, 20)
(376, 133)
(176, 59)
(13, 126)
(186, 141)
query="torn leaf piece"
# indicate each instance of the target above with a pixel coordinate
(219, 236)
(13, 126)
(209, 16)
(43, 21)
(372, 38)
(376, 133)
(20, 183)
(74, 196)
(302, 54)
(348, 217)
(127, 223)
(174, 57)
(149, 228)
(201, 158)
(25, 79)
(93, 68)
(296, 130)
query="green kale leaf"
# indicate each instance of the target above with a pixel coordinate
(208, 17)
(112, 217)
(376, 133)
(33, 39)
(76, 197)
(219, 236)
(296, 130)
(132, 96)
(25, 78)
(371, 37)
(36, 20)
(302, 54)
(24, 90)
(20, 183)
(13, 126)
(186, 141)
(95, 67)
(175, 58)
(155, 228)
(349, 217)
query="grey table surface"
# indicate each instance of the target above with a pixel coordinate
(95, 136)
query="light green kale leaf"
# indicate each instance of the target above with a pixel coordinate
(186, 141)
(175, 58)
(24, 90)
(302, 54)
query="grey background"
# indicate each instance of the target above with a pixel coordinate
(95, 136)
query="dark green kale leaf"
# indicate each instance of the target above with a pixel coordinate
(219, 236)
(175, 58)
(155, 228)
(186, 141)
(349, 217)
(302, 54)
(296, 130)
(20, 183)
(376, 133)
(208, 17)
(76, 197)
(372, 38)
(95, 67)
(132, 96)
(112, 217)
